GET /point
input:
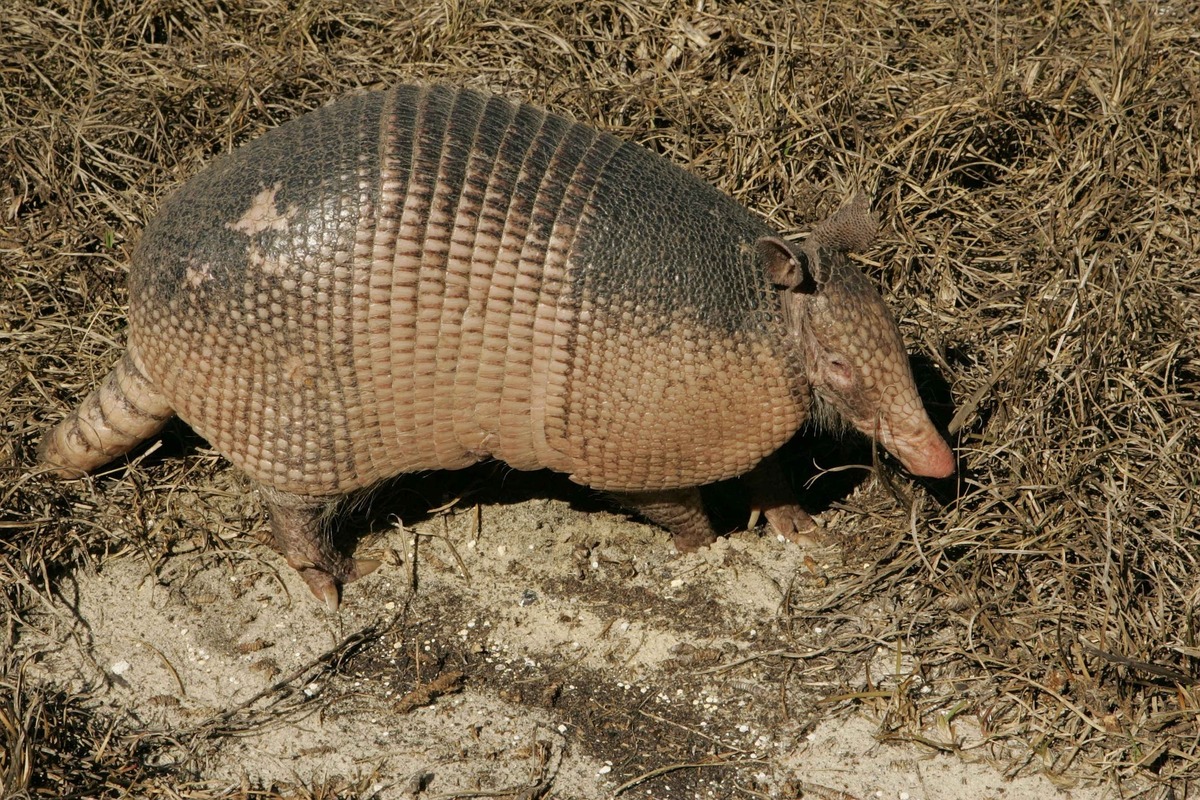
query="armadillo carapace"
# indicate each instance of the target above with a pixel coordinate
(422, 278)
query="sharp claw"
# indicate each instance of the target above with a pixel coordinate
(325, 583)
(754, 516)
(362, 566)
(323, 586)
(331, 598)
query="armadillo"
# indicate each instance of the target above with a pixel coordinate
(425, 277)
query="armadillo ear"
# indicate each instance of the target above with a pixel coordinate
(786, 266)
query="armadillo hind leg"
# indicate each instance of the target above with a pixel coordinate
(680, 511)
(771, 494)
(302, 535)
(125, 410)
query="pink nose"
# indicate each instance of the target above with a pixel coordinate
(934, 460)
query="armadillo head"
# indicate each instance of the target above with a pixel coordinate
(853, 355)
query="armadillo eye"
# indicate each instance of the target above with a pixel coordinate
(840, 372)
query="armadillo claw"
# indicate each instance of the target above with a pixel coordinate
(771, 496)
(362, 567)
(323, 586)
(794, 524)
(326, 584)
(300, 564)
(298, 533)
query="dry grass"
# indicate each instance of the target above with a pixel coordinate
(1036, 167)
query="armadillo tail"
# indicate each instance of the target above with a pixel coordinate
(124, 410)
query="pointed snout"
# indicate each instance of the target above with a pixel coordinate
(935, 461)
(926, 455)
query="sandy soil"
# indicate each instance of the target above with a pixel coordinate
(530, 646)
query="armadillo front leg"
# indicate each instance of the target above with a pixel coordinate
(298, 524)
(771, 493)
(680, 511)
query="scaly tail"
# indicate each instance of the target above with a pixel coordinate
(126, 409)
